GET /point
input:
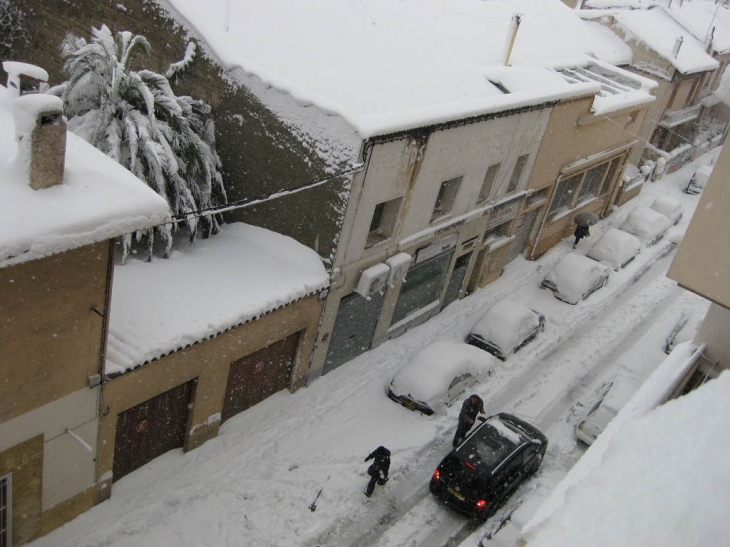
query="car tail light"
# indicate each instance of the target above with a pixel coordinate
(481, 505)
(437, 475)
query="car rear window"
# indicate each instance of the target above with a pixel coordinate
(487, 448)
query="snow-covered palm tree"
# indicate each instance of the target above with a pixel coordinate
(135, 118)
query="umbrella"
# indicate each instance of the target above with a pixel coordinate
(586, 218)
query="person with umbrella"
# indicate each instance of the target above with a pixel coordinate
(583, 221)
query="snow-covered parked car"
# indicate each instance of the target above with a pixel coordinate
(438, 374)
(697, 183)
(607, 401)
(615, 248)
(575, 277)
(646, 224)
(669, 207)
(505, 328)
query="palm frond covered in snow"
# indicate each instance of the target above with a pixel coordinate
(166, 140)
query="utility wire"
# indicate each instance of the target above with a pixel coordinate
(248, 202)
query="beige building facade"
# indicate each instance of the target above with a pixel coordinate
(702, 266)
(582, 160)
(431, 209)
(51, 342)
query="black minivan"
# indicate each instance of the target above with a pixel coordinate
(489, 465)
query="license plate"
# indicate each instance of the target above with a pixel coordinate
(457, 495)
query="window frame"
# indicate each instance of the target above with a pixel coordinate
(446, 198)
(577, 197)
(490, 177)
(517, 172)
(386, 213)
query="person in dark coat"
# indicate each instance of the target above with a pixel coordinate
(468, 415)
(581, 231)
(378, 470)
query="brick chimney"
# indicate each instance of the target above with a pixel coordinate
(40, 130)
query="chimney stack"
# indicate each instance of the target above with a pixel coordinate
(511, 37)
(40, 130)
(677, 46)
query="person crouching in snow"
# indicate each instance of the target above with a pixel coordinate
(378, 470)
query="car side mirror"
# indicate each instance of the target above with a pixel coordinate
(481, 418)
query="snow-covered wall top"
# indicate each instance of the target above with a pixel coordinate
(386, 66)
(99, 199)
(240, 274)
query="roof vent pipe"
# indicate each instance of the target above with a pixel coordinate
(511, 37)
(677, 46)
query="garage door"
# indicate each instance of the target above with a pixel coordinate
(354, 327)
(522, 234)
(457, 279)
(150, 429)
(259, 375)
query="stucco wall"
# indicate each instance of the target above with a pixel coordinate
(52, 327)
(702, 264)
(713, 331)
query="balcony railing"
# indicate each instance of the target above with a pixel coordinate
(673, 118)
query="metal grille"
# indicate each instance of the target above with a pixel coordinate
(457, 279)
(6, 536)
(353, 330)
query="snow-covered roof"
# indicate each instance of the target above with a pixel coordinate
(238, 275)
(655, 29)
(386, 66)
(649, 470)
(99, 199)
(706, 20)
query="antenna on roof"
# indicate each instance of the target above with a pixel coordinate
(511, 37)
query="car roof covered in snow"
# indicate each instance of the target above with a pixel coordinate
(429, 373)
(615, 247)
(574, 273)
(645, 223)
(501, 324)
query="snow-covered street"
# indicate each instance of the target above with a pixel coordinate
(253, 485)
